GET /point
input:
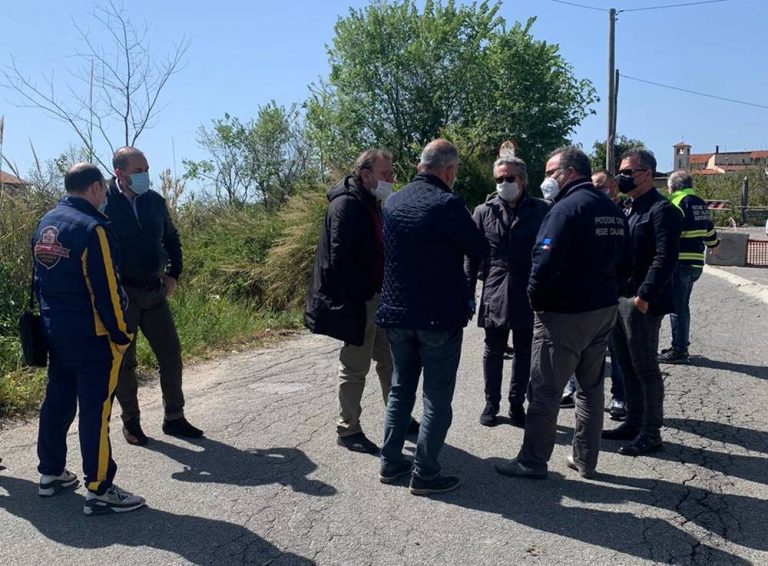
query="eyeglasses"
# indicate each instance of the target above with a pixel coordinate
(508, 179)
(552, 171)
(630, 172)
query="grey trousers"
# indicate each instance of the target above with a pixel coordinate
(355, 364)
(149, 311)
(564, 344)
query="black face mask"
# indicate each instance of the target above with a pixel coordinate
(626, 183)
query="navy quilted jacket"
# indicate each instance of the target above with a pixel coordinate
(427, 232)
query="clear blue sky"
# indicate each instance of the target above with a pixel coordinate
(246, 53)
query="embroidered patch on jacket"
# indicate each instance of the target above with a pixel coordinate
(48, 249)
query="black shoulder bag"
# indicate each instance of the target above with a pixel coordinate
(33, 344)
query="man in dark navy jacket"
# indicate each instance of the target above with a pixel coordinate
(425, 305)
(151, 263)
(573, 290)
(82, 306)
(655, 226)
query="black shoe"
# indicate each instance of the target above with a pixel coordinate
(617, 411)
(586, 474)
(514, 468)
(438, 484)
(413, 428)
(673, 356)
(488, 416)
(133, 433)
(402, 469)
(621, 432)
(182, 428)
(509, 353)
(643, 444)
(517, 415)
(357, 442)
(567, 401)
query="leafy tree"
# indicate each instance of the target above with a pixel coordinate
(622, 144)
(401, 77)
(261, 160)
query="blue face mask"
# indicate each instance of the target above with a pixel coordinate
(140, 183)
(102, 207)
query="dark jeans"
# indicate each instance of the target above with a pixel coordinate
(149, 311)
(438, 353)
(493, 364)
(685, 277)
(564, 344)
(637, 344)
(82, 371)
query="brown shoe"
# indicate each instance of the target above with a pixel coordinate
(133, 433)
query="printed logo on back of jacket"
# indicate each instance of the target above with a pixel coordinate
(48, 250)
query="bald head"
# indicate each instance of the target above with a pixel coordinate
(124, 156)
(81, 176)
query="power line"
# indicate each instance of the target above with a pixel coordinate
(661, 7)
(580, 5)
(672, 6)
(696, 92)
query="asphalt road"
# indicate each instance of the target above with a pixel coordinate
(268, 485)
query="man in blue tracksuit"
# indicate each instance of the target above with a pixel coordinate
(573, 288)
(698, 233)
(82, 306)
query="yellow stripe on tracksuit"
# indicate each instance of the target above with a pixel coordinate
(117, 353)
(111, 280)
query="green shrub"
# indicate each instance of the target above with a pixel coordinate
(288, 266)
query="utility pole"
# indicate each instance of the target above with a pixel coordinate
(744, 200)
(611, 138)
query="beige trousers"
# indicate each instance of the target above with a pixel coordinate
(355, 364)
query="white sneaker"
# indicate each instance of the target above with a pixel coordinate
(51, 485)
(114, 500)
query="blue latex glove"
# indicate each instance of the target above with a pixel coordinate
(472, 306)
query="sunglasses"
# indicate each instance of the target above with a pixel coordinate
(508, 179)
(630, 172)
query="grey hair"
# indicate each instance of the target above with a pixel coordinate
(366, 159)
(517, 163)
(438, 154)
(680, 180)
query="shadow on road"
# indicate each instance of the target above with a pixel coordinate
(221, 463)
(554, 506)
(760, 372)
(195, 539)
(756, 440)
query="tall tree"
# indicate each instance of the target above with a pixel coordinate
(262, 160)
(114, 96)
(622, 144)
(401, 76)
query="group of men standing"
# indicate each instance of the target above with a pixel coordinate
(567, 277)
(396, 283)
(105, 260)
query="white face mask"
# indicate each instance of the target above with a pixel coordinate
(549, 188)
(510, 192)
(382, 191)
